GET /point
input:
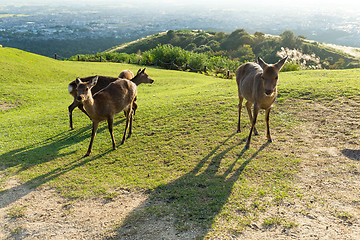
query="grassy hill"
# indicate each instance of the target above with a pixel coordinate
(184, 153)
(242, 46)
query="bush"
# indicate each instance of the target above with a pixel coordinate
(166, 54)
(290, 66)
(198, 61)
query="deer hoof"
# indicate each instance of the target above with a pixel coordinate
(238, 131)
(246, 147)
(86, 155)
(270, 141)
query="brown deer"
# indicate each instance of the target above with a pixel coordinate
(103, 81)
(116, 97)
(257, 83)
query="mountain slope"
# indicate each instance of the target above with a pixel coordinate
(241, 46)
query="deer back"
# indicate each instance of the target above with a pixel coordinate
(102, 82)
(248, 78)
(127, 74)
(116, 97)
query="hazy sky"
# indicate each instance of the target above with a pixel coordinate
(312, 5)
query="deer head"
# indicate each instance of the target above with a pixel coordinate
(84, 88)
(270, 74)
(142, 77)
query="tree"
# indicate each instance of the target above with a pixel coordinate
(220, 36)
(236, 39)
(200, 40)
(190, 47)
(258, 37)
(170, 34)
(288, 39)
(215, 45)
(245, 53)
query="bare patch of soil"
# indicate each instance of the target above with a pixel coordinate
(327, 205)
(6, 106)
(46, 215)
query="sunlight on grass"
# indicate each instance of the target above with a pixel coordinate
(184, 152)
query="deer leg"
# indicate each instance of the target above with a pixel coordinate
(248, 107)
(71, 109)
(132, 112)
(93, 133)
(134, 107)
(267, 118)
(240, 106)
(256, 111)
(110, 125)
(127, 114)
(81, 107)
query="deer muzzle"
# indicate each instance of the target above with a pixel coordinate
(268, 92)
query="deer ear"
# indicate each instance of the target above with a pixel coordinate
(262, 63)
(281, 63)
(93, 81)
(139, 71)
(143, 70)
(78, 81)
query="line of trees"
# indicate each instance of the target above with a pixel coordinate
(242, 47)
(175, 58)
(221, 54)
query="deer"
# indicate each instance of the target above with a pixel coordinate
(257, 83)
(116, 97)
(102, 82)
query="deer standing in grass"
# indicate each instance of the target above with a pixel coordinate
(102, 82)
(116, 97)
(257, 83)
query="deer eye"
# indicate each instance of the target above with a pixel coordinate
(86, 89)
(276, 77)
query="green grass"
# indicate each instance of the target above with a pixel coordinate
(16, 212)
(184, 152)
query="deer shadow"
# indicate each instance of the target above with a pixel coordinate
(194, 200)
(351, 153)
(45, 151)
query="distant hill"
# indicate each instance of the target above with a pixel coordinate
(242, 46)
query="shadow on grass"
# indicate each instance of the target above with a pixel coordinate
(189, 203)
(11, 195)
(48, 149)
(45, 151)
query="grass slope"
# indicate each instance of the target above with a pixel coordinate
(184, 152)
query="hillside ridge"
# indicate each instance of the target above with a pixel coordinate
(242, 47)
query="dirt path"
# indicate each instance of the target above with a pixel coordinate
(328, 205)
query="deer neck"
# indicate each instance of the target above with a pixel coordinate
(89, 105)
(136, 80)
